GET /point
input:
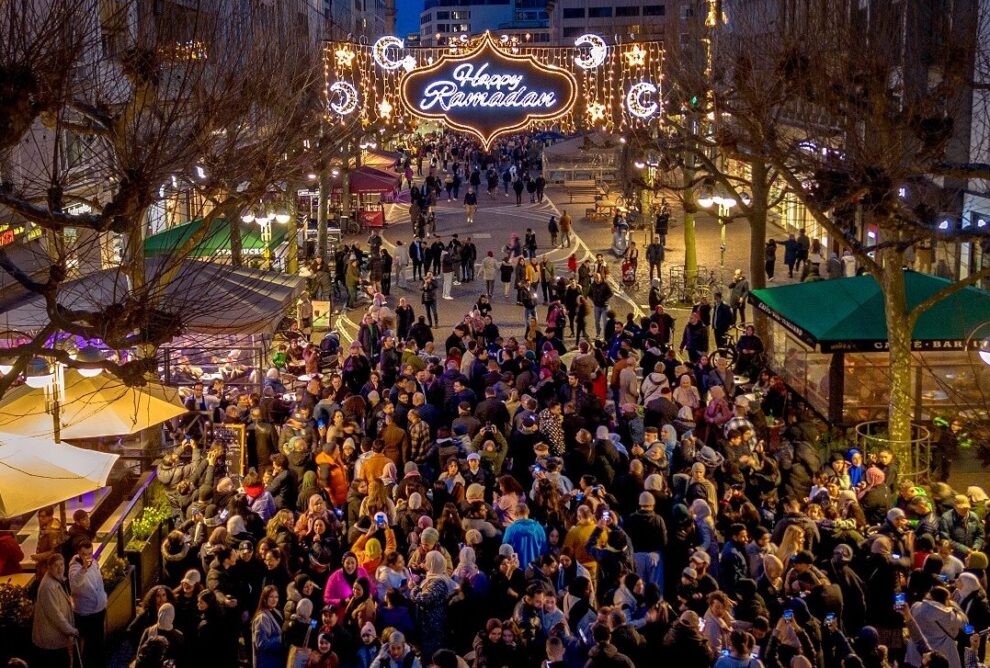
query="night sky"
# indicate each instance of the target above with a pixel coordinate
(408, 16)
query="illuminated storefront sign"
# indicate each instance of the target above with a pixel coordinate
(489, 92)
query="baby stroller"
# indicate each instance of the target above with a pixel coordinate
(628, 270)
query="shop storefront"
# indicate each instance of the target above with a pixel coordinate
(829, 343)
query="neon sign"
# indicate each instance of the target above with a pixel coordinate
(489, 92)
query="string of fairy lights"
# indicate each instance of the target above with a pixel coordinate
(619, 85)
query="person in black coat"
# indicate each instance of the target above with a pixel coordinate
(684, 645)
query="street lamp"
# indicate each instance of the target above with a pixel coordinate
(725, 201)
(89, 354)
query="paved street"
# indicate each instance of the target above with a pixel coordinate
(498, 218)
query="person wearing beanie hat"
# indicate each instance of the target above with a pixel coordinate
(648, 534)
(370, 647)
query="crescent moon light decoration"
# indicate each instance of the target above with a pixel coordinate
(634, 100)
(380, 52)
(348, 98)
(597, 54)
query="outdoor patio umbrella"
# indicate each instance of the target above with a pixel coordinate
(92, 407)
(37, 472)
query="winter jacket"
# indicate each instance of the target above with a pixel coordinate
(266, 641)
(52, 626)
(607, 656)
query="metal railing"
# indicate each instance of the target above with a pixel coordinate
(134, 505)
(914, 456)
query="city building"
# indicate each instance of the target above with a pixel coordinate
(625, 20)
(443, 20)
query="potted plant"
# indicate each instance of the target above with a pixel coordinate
(16, 610)
(119, 585)
(144, 548)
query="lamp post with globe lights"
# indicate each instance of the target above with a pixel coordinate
(711, 196)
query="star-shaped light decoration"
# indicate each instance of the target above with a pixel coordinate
(596, 111)
(384, 108)
(408, 63)
(344, 56)
(636, 56)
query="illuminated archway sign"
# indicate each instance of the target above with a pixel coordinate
(489, 92)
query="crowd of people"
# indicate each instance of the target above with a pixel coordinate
(500, 501)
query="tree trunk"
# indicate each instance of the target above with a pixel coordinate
(900, 407)
(690, 245)
(134, 265)
(758, 239)
(321, 216)
(291, 230)
(236, 243)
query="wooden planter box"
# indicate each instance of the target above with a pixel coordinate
(147, 563)
(120, 604)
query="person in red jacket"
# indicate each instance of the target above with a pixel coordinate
(11, 553)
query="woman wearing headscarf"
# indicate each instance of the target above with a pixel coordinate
(874, 496)
(706, 539)
(938, 622)
(295, 628)
(578, 606)
(770, 586)
(341, 583)
(972, 600)
(165, 628)
(360, 607)
(430, 598)
(469, 607)
(856, 471)
(717, 413)
(368, 548)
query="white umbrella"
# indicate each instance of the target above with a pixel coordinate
(35, 473)
(92, 407)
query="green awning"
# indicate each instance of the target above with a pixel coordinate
(847, 314)
(216, 242)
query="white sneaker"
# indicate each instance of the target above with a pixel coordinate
(448, 298)
(457, 282)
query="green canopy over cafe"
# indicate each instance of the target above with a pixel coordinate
(216, 241)
(828, 340)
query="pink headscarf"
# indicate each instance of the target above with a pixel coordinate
(874, 477)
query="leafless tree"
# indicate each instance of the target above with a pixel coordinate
(849, 105)
(216, 99)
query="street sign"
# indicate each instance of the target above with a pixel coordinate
(489, 92)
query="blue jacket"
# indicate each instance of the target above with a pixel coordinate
(528, 538)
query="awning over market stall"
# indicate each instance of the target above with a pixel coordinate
(365, 180)
(847, 314)
(215, 242)
(380, 158)
(213, 298)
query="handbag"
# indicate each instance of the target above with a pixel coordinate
(299, 656)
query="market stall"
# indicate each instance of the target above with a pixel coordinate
(586, 158)
(828, 340)
(369, 188)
